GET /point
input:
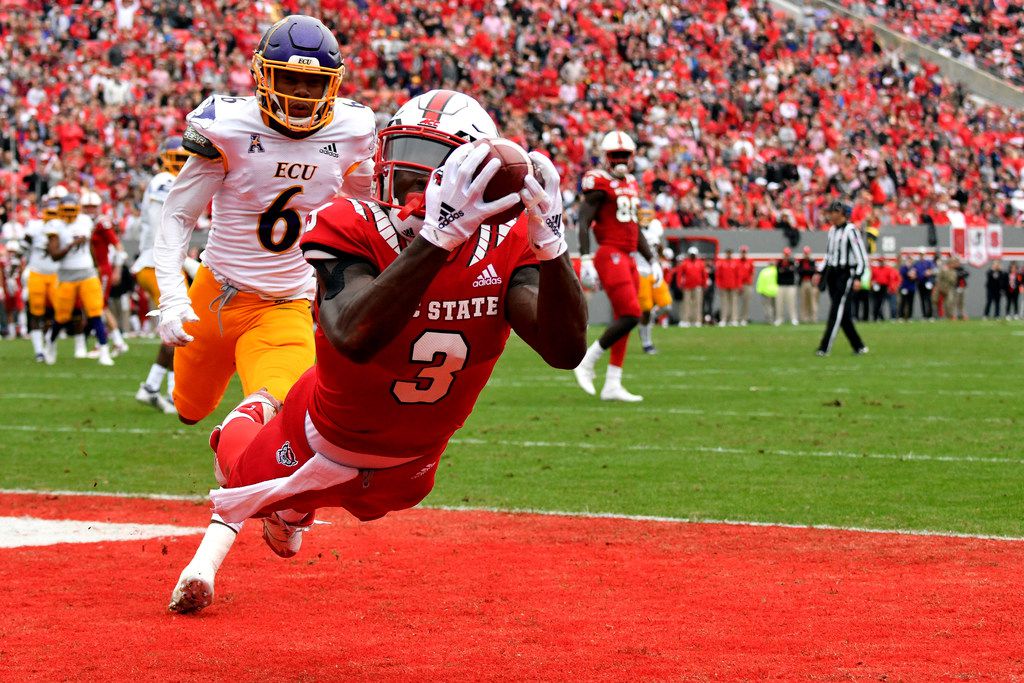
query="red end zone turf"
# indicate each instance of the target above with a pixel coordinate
(432, 595)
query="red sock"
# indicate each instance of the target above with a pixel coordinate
(618, 353)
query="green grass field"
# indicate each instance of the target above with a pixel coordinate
(744, 424)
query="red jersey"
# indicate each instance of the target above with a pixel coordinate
(615, 224)
(103, 237)
(418, 390)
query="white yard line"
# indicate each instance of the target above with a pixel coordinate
(583, 445)
(20, 532)
(580, 515)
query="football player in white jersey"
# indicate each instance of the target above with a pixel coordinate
(654, 293)
(42, 276)
(172, 159)
(77, 278)
(265, 162)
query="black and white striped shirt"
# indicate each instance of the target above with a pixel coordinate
(845, 250)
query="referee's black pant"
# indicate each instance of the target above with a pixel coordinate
(840, 289)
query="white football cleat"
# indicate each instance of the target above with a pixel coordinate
(50, 352)
(283, 538)
(193, 592)
(155, 399)
(619, 393)
(585, 377)
(104, 357)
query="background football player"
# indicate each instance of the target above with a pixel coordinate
(654, 294)
(265, 162)
(611, 200)
(407, 336)
(109, 256)
(172, 157)
(42, 276)
(77, 279)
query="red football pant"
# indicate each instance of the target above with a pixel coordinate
(248, 453)
(621, 283)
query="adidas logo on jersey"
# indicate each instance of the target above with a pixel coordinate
(489, 276)
(330, 150)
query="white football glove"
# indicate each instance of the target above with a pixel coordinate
(171, 327)
(657, 272)
(588, 273)
(455, 200)
(543, 202)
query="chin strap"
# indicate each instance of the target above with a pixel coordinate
(414, 205)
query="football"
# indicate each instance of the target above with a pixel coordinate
(515, 166)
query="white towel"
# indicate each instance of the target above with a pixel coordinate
(240, 503)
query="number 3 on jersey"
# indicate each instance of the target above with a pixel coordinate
(446, 353)
(626, 209)
(275, 213)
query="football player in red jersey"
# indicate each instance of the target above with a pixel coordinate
(415, 302)
(611, 200)
(104, 238)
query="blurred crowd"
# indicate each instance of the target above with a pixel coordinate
(733, 289)
(988, 34)
(743, 116)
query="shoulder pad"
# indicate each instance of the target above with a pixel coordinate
(595, 179)
(198, 144)
(347, 226)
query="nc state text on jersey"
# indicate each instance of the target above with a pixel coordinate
(460, 309)
(295, 171)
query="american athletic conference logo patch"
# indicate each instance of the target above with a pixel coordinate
(285, 456)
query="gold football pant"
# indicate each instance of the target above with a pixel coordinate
(651, 296)
(89, 291)
(42, 293)
(269, 344)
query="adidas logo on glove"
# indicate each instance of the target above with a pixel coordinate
(448, 215)
(489, 276)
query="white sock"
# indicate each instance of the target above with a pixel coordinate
(613, 376)
(645, 333)
(592, 354)
(115, 335)
(156, 377)
(170, 382)
(37, 341)
(79, 343)
(216, 543)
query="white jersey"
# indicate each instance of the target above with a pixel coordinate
(78, 263)
(652, 233)
(271, 182)
(149, 219)
(39, 260)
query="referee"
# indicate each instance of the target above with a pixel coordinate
(845, 262)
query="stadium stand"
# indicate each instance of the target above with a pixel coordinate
(988, 34)
(745, 117)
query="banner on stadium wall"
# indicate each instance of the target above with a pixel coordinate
(994, 241)
(958, 241)
(977, 251)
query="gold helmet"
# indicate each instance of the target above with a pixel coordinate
(172, 155)
(68, 207)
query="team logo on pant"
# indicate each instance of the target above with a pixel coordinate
(285, 455)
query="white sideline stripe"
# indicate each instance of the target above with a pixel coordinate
(763, 413)
(561, 513)
(94, 430)
(19, 532)
(922, 457)
(736, 451)
(730, 522)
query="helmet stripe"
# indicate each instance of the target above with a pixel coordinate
(435, 107)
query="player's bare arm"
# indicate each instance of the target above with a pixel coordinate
(546, 308)
(545, 304)
(57, 253)
(361, 310)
